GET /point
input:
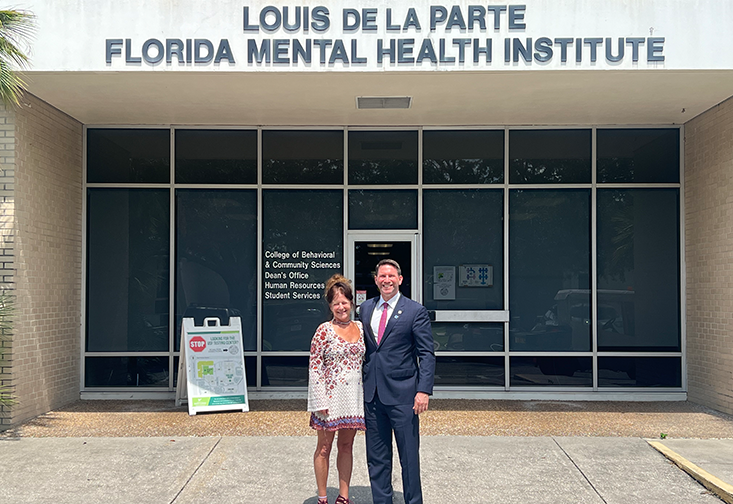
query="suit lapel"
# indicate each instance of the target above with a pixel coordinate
(365, 315)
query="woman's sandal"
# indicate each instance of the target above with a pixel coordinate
(342, 500)
(322, 501)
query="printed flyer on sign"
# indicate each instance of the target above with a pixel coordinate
(214, 355)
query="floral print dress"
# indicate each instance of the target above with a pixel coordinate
(335, 380)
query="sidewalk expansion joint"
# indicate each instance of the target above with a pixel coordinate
(719, 487)
(196, 470)
(580, 471)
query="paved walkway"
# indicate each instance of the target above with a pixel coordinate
(277, 470)
(564, 452)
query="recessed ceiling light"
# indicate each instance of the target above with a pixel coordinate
(383, 102)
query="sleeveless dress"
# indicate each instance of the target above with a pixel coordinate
(335, 380)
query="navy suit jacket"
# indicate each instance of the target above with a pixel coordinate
(392, 367)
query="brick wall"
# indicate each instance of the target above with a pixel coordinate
(7, 232)
(709, 256)
(43, 191)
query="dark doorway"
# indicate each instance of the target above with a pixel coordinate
(369, 252)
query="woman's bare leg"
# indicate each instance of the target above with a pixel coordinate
(321, 459)
(345, 459)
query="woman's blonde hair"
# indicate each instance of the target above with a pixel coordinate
(339, 283)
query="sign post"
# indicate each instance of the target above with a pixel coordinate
(211, 373)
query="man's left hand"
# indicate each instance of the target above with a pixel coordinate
(421, 402)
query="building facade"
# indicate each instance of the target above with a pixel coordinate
(553, 178)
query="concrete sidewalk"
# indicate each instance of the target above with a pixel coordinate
(278, 470)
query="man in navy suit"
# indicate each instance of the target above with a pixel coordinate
(398, 380)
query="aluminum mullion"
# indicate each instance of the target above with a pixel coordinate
(161, 353)
(215, 186)
(346, 252)
(594, 258)
(260, 231)
(362, 187)
(172, 262)
(302, 187)
(507, 361)
(126, 185)
(417, 240)
(84, 243)
(551, 186)
(640, 354)
(640, 185)
(683, 268)
(530, 353)
(285, 353)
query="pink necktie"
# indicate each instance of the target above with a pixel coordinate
(382, 323)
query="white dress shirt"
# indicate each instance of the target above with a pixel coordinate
(377, 313)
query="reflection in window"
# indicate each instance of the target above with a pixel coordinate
(216, 156)
(302, 157)
(639, 372)
(549, 371)
(128, 155)
(463, 227)
(638, 155)
(468, 336)
(638, 270)
(463, 157)
(128, 268)
(383, 157)
(382, 209)
(549, 270)
(549, 156)
(126, 372)
(216, 258)
(469, 371)
(302, 247)
(285, 371)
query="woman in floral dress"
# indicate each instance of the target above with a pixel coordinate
(335, 394)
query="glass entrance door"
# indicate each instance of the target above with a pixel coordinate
(365, 250)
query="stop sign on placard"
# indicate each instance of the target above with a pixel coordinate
(197, 344)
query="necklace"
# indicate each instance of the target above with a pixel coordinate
(339, 323)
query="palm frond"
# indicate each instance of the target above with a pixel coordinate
(17, 27)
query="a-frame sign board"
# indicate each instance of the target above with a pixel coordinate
(211, 374)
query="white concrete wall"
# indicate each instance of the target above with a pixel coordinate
(72, 34)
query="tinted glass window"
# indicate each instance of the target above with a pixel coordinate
(549, 156)
(463, 157)
(463, 228)
(638, 270)
(126, 372)
(303, 157)
(216, 258)
(468, 336)
(128, 270)
(382, 209)
(383, 157)
(284, 371)
(468, 371)
(551, 371)
(549, 270)
(216, 157)
(638, 155)
(128, 155)
(639, 372)
(302, 247)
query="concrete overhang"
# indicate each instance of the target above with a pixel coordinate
(441, 98)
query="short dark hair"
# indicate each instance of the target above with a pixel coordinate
(388, 262)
